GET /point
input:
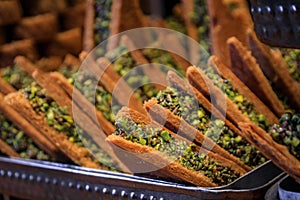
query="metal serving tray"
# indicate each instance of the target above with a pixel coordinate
(33, 179)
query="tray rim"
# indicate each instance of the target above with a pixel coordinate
(117, 180)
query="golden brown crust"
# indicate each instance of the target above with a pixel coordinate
(275, 68)
(146, 120)
(174, 80)
(88, 34)
(71, 61)
(225, 23)
(52, 88)
(153, 73)
(177, 82)
(79, 155)
(125, 11)
(205, 86)
(8, 150)
(177, 124)
(116, 85)
(286, 84)
(33, 7)
(232, 163)
(94, 130)
(226, 73)
(29, 130)
(25, 64)
(244, 65)
(83, 103)
(74, 15)
(107, 69)
(182, 62)
(6, 88)
(49, 63)
(262, 54)
(279, 154)
(177, 51)
(136, 55)
(11, 12)
(69, 41)
(134, 115)
(159, 159)
(187, 8)
(112, 82)
(21, 47)
(45, 81)
(40, 28)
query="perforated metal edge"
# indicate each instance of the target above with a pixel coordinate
(277, 23)
(44, 180)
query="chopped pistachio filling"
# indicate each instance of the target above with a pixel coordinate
(287, 132)
(292, 58)
(175, 23)
(180, 104)
(16, 77)
(200, 18)
(161, 57)
(244, 105)
(101, 24)
(185, 154)
(136, 79)
(69, 71)
(103, 17)
(283, 98)
(20, 142)
(124, 63)
(58, 118)
(94, 92)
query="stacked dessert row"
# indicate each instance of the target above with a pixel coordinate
(205, 122)
(40, 29)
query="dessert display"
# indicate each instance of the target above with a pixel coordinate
(43, 29)
(279, 144)
(206, 169)
(176, 102)
(202, 123)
